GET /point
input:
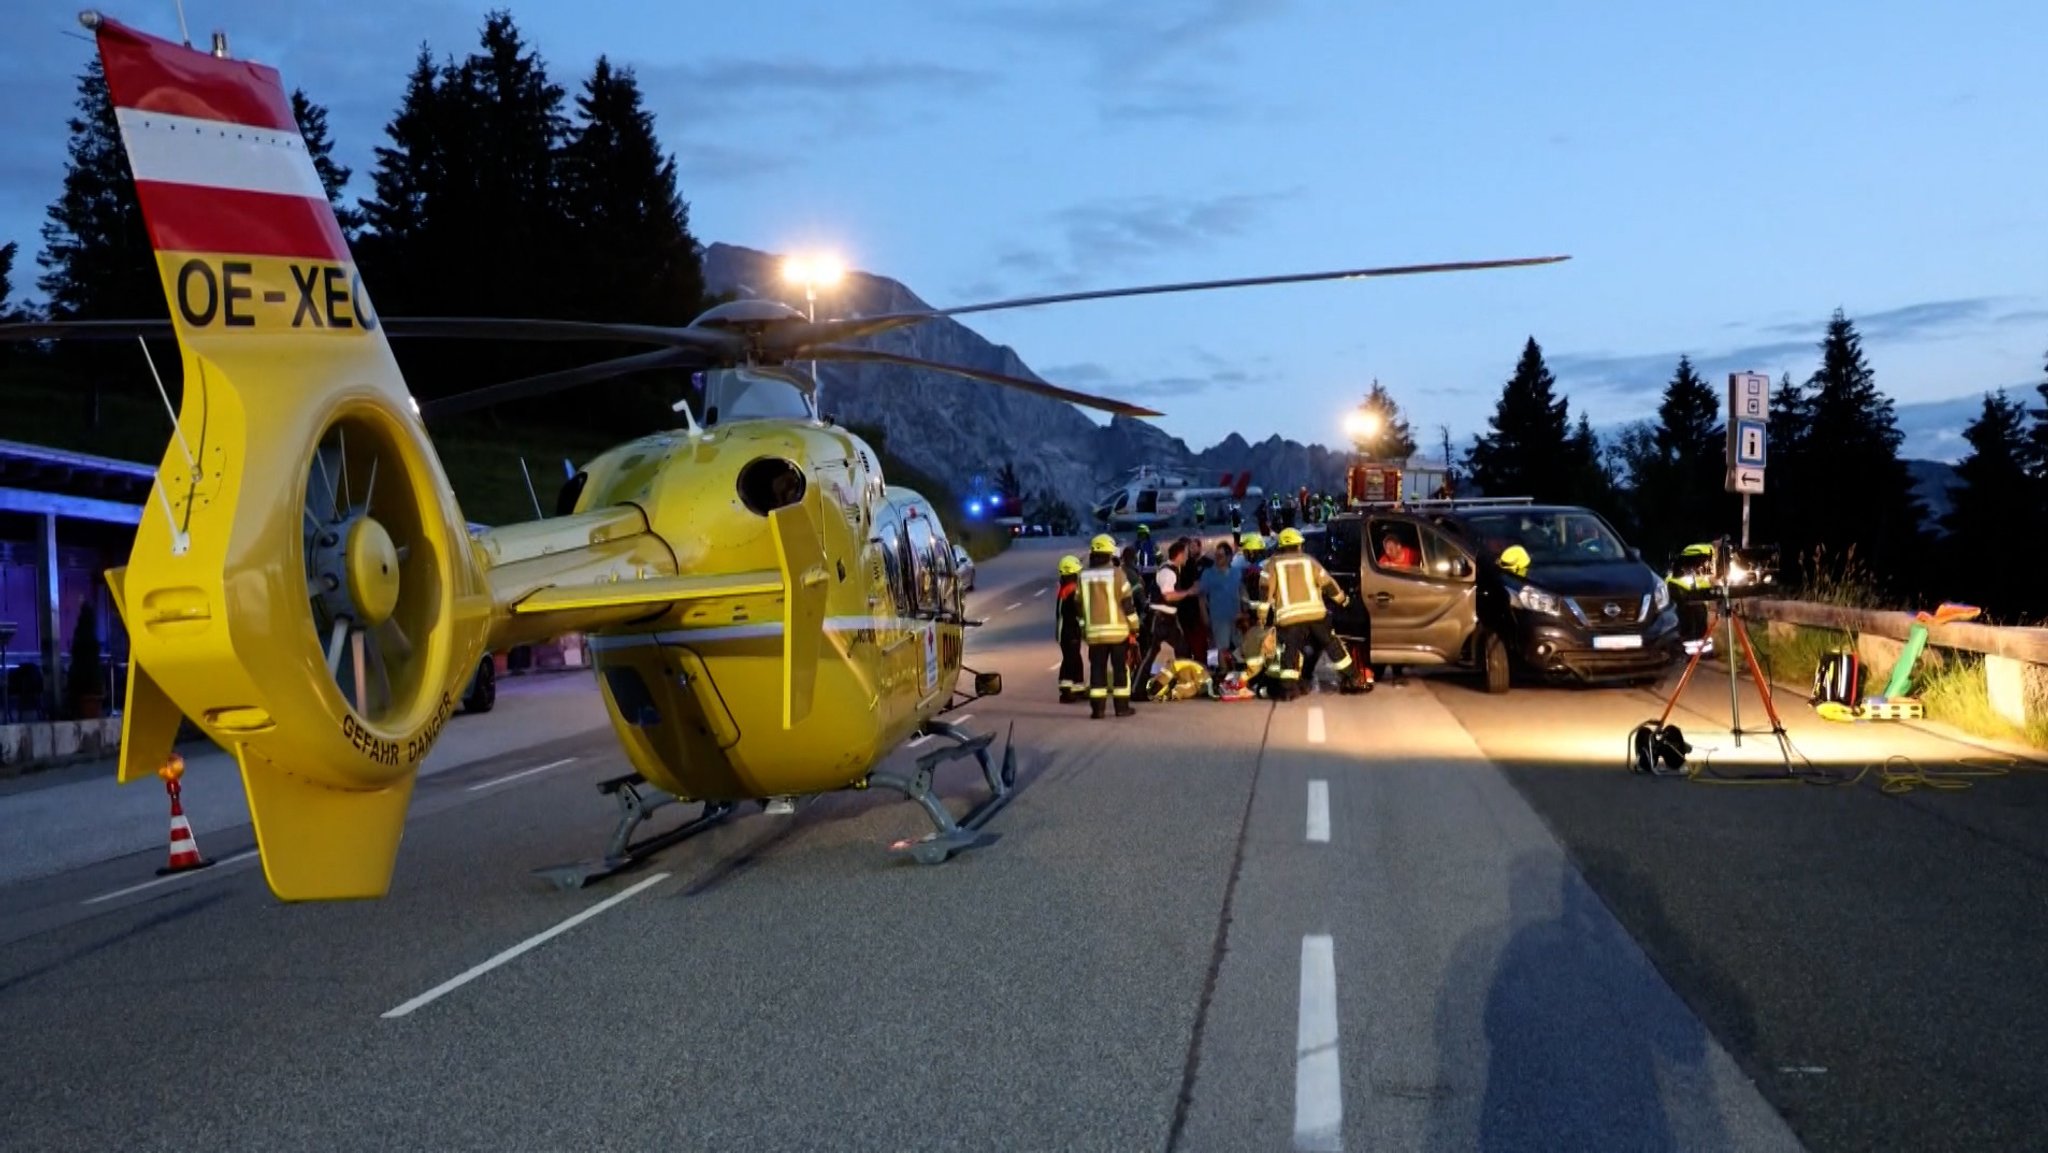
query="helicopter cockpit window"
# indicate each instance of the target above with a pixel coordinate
(924, 561)
(895, 558)
(735, 394)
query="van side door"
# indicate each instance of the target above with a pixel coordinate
(1420, 588)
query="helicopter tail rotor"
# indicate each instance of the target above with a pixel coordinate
(302, 585)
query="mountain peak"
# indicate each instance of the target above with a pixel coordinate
(953, 428)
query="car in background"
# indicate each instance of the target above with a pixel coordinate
(964, 566)
(1428, 589)
(481, 693)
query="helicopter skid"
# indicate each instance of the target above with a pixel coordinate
(952, 836)
(636, 802)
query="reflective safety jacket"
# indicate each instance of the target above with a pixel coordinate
(1694, 569)
(1067, 624)
(1106, 605)
(1294, 584)
(1186, 680)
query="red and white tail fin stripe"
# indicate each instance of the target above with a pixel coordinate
(246, 241)
(218, 160)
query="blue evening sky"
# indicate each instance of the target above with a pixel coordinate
(1724, 175)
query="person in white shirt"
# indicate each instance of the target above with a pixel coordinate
(1166, 630)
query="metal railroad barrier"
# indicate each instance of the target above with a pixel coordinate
(2015, 659)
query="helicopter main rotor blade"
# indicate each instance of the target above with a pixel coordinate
(801, 336)
(498, 328)
(1085, 400)
(545, 383)
(29, 330)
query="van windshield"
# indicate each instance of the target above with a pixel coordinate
(1568, 536)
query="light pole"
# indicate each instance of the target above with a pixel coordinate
(1362, 425)
(813, 272)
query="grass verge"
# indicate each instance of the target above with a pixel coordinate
(1950, 684)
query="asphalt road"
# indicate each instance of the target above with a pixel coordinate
(1424, 918)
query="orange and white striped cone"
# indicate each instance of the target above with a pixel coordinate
(184, 849)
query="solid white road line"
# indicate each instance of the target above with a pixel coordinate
(1315, 725)
(523, 946)
(521, 773)
(1319, 812)
(1318, 1085)
(210, 872)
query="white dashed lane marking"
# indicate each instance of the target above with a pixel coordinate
(1319, 812)
(537, 939)
(1318, 1083)
(1315, 725)
(219, 869)
(521, 773)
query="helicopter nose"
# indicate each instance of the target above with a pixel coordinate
(767, 483)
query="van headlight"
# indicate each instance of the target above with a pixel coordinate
(1661, 597)
(1535, 600)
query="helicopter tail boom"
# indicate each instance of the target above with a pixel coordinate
(302, 585)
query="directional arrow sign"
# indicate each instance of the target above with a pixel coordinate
(1745, 479)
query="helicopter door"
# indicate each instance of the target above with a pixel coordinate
(1148, 501)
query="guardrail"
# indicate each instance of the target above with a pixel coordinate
(2015, 659)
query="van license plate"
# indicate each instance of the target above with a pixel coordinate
(1628, 642)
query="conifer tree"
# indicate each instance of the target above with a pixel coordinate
(2037, 439)
(507, 216)
(96, 255)
(1851, 474)
(312, 121)
(1985, 518)
(1779, 518)
(407, 175)
(1677, 469)
(637, 260)
(1586, 478)
(7, 251)
(1523, 454)
(1395, 440)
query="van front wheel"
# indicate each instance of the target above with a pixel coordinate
(1493, 656)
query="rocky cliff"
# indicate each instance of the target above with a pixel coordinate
(955, 428)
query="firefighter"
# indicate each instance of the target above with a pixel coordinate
(1107, 612)
(1148, 553)
(1694, 573)
(1294, 583)
(1201, 512)
(1068, 627)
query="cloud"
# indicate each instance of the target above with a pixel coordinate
(811, 103)
(1926, 320)
(1214, 372)
(700, 162)
(1152, 60)
(1641, 373)
(1647, 373)
(1123, 233)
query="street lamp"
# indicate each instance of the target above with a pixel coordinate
(1362, 425)
(813, 272)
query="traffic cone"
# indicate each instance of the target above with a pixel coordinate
(184, 849)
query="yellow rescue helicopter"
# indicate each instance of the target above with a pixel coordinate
(768, 618)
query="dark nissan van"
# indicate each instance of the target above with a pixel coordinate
(1586, 609)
